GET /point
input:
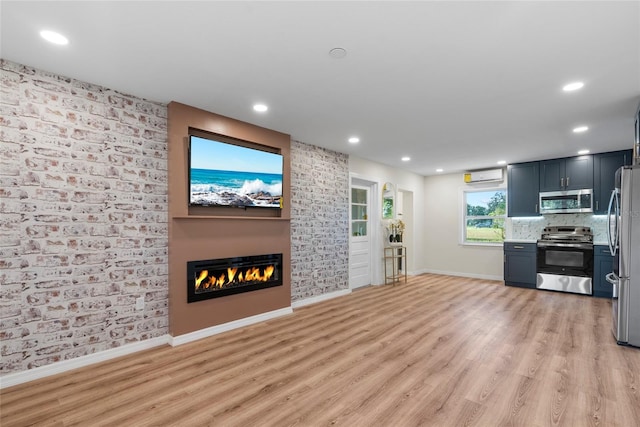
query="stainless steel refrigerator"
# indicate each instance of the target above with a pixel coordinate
(624, 242)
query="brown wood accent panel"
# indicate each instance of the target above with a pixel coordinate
(437, 351)
(202, 233)
(182, 118)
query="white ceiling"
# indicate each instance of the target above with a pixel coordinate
(453, 85)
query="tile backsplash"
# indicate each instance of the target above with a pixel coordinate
(530, 228)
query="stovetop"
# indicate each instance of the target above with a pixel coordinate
(567, 234)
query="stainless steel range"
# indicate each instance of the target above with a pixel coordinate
(565, 259)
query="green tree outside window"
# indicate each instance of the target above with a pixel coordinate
(485, 215)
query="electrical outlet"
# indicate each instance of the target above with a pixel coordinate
(140, 303)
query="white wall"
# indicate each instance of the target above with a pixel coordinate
(442, 218)
(436, 222)
(405, 182)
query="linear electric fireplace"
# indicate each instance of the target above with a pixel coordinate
(226, 276)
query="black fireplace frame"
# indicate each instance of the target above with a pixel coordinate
(223, 263)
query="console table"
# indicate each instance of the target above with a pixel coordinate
(394, 258)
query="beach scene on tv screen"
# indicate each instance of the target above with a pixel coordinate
(224, 174)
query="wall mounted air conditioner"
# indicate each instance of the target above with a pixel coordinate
(484, 176)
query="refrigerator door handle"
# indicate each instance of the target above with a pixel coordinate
(611, 239)
(615, 283)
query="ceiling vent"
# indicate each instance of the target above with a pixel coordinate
(488, 175)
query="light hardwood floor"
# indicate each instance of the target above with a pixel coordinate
(437, 351)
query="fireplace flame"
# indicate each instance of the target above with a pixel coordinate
(269, 271)
(231, 272)
(221, 281)
(203, 275)
(232, 276)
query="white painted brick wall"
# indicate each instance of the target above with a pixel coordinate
(319, 221)
(83, 218)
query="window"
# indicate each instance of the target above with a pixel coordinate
(359, 217)
(484, 217)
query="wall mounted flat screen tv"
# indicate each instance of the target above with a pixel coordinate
(225, 174)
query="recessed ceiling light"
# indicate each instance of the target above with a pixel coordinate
(439, 170)
(260, 108)
(502, 162)
(53, 37)
(572, 86)
(354, 140)
(406, 158)
(337, 53)
(581, 152)
(581, 129)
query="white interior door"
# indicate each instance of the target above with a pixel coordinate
(360, 244)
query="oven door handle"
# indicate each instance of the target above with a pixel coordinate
(565, 245)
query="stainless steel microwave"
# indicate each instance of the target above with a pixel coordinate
(570, 201)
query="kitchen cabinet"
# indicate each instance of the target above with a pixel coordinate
(602, 265)
(520, 264)
(597, 172)
(571, 173)
(605, 166)
(522, 192)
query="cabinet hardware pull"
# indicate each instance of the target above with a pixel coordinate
(567, 181)
(536, 209)
(597, 204)
(518, 247)
(561, 182)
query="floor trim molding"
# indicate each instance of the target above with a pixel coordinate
(459, 274)
(214, 330)
(16, 378)
(320, 298)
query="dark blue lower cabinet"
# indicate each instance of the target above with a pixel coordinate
(602, 265)
(520, 264)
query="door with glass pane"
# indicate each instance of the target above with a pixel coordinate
(360, 253)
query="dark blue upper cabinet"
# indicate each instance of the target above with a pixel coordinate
(572, 173)
(605, 166)
(551, 173)
(522, 193)
(579, 172)
(526, 180)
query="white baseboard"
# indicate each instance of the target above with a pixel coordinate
(207, 332)
(459, 274)
(319, 298)
(12, 379)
